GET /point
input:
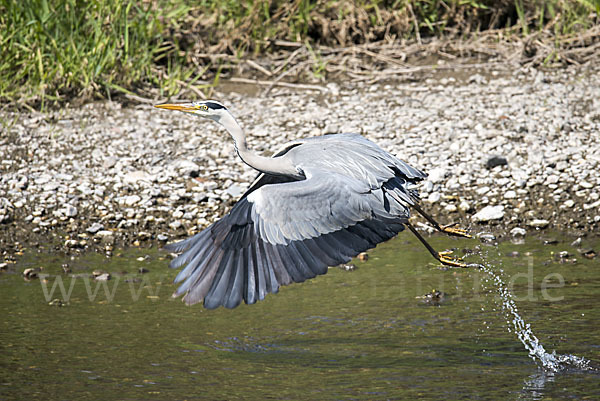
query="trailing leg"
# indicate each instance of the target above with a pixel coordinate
(448, 229)
(442, 257)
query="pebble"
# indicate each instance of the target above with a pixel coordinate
(132, 200)
(70, 210)
(489, 213)
(104, 233)
(518, 232)
(94, 228)
(102, 277)
(30, 273)
(538, 223)
(464, 206)
(450, 208)
(434, 197)
(486, 237)
(495, 161)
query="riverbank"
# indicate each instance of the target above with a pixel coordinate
(508, 149)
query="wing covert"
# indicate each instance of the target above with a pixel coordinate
(321, 204)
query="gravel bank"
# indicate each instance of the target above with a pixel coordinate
(515, 150)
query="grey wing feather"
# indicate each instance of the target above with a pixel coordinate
(285, 231)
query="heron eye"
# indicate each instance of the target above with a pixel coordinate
(204, 107)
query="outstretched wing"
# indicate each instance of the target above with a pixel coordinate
(287, 232)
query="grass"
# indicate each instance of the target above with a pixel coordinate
(59, 50)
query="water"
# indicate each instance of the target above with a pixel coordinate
(365, 334)
(552, 362)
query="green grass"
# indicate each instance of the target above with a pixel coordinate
(53, 50)
(59, 50)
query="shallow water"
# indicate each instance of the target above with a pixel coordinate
(363, 334)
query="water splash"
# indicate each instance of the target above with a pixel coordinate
(550, 361)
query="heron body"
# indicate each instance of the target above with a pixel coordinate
(317, 203)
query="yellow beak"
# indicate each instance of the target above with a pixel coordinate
(179, 106)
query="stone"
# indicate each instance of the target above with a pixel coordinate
(518, 232)
(434, 197)
(489, 213)
(464, 206)
(134, 177)
(70, 210)
(494, 161)
(436, 175)
(510, 195)
(538, 223)
(450, 208)
(94, 228)
(132, 200)
(235, 190)
(486, 237)
(102, 277)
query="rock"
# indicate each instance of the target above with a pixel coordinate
(489, 213)
(102, 277)
(494, 161)
(434, 197)
(57, 302)
(162, 237)
(363, 256)
(569, 203)
(464, 206)
(70, 210)
(518, 232)
(434, 298)
(486, 237)
(538, 223)
(175, 225)
(436, 175)
(109, 162)
(143, 270)
(331, 129)
(510, 195)
(104, 233)
(348, 267)
(450, 208)
(235, 190)
(134, 177)
(588, 253)
(72, 243)
(482, 190)
(94, 228)
(30, 273)
(132, 200)
(577, 242)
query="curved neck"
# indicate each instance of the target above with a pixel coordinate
(267, 165)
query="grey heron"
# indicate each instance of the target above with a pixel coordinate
(317, 203)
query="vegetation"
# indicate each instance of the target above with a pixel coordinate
(55, 50)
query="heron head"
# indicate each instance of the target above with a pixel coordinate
(206, 108)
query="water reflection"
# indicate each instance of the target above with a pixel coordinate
(533, 388)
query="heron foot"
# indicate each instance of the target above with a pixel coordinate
(447, 261)
(458, 232)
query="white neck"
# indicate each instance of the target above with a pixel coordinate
(268, 165)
